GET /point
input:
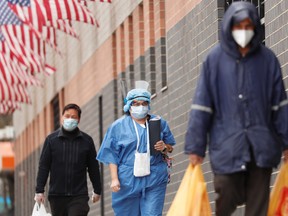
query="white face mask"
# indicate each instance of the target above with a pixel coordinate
(242, 37)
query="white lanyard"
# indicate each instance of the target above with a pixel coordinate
(138, 139)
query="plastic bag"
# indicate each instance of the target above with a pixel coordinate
(278, 205)
(191, 198)
(40, 210)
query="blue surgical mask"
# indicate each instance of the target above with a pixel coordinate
(139, 112)
(70, 124)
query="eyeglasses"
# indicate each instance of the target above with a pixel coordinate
(140, 103)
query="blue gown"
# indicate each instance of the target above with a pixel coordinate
(138, 195)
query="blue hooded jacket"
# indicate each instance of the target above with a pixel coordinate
(240, 104)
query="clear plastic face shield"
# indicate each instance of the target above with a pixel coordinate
(139, 84)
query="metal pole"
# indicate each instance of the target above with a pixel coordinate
(100, 107)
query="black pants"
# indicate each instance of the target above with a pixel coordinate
(69, 206)
(250, 188)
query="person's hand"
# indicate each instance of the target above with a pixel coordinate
(160, 146)
(95, 197)
(115, 185)
(285, 154)
(195, 159)
(39, 197)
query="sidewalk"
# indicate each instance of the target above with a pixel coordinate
(8, 213)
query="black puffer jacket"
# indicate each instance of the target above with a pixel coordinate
(67, 157)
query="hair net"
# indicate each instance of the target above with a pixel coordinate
(136, 94)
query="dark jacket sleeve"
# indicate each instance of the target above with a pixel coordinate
(280, 105)
(44, 167)
(200, 116)
(93, 169)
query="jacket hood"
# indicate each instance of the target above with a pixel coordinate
(238, 11)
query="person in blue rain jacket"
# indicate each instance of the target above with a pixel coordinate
(135, 196)
(240, 111)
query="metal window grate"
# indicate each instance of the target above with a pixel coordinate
(258, 3)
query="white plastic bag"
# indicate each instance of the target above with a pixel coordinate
(142, 164)
(40, 210)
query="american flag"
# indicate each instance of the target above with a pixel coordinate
(8, 107)
(9, 92)
(20, 2)
(26, 28)
(109, 1)
(14, 74)
(36, 15)
(16, 93)
(7, 16)
(67, 9)
(13, 32)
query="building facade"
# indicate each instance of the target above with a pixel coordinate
(161, 41)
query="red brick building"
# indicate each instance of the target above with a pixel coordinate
(161, 41)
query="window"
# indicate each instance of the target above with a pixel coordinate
(56, 112)
(163, 57)
(258, 3)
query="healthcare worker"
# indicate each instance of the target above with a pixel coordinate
(144, 194)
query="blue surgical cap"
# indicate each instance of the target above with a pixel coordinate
(136, 94)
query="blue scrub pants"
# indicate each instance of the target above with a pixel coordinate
(141, 202)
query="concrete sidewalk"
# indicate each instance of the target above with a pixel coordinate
(8, 213)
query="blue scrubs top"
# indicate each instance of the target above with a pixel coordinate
(119, 146)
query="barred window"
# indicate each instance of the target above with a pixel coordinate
(56, 112)
(258, 3)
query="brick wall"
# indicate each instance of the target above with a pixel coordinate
(162, 41)
(187, 44)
